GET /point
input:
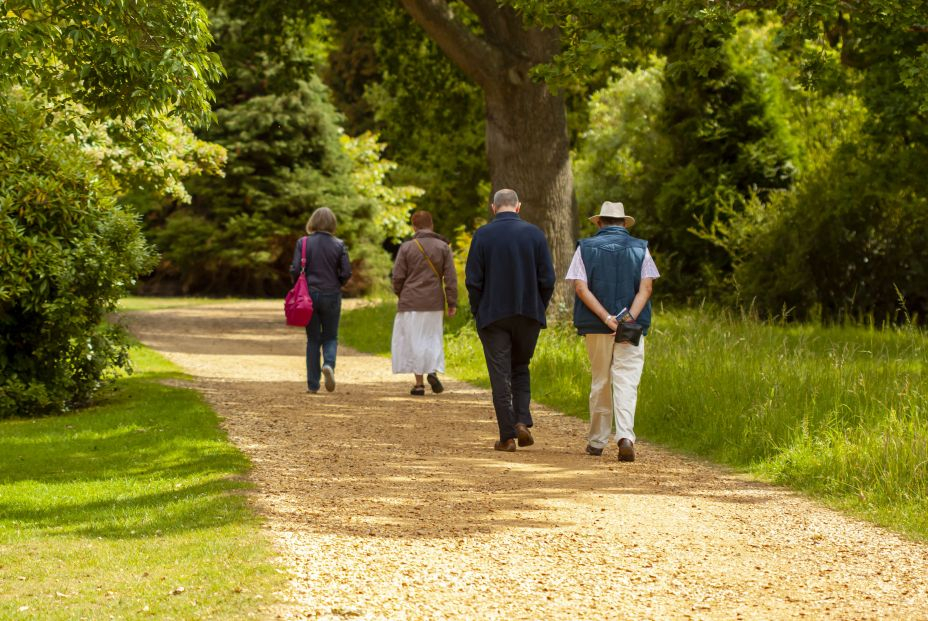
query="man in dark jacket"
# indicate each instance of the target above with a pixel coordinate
(510, 280)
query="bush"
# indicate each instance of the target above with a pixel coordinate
(850, 240)
(69, 251)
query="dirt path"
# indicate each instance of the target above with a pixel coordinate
(386, 506)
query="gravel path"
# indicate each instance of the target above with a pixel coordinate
(387, 506)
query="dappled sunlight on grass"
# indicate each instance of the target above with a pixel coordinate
(140, 493)
(147, 303)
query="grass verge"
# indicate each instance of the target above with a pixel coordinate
(133, 508)
(147, 303)
(838, 412)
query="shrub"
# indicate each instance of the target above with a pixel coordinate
(851, 239)
(69, 251)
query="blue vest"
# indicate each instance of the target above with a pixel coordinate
(613, 260)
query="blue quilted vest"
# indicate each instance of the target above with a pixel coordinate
(613, 260)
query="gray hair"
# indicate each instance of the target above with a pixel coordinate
(506, 198)
(322, 220)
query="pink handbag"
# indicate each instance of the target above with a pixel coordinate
(298, 306)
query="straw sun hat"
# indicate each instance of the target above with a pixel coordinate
(613, 210)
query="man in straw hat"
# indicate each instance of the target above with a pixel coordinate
(613, 274)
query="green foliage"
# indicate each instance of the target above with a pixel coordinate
(848, 237)
(369, 173)
(119, 59)
(387, 74)
(136, 496)
(286, 157)
(726, 146)
(622, 150)
(150, 166)
(69, 251)
(678, 146)
(841, 413)
(850, 240)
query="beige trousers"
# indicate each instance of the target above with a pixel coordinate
(616, 371)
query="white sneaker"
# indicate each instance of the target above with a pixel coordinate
(329, 374)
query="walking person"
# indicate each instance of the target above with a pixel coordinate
(613, 276)
(510, 281)
(327, 270)
(427, 285)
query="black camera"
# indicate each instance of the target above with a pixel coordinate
(629, 332)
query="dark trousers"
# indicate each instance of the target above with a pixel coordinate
(322, 334)
(508, 345)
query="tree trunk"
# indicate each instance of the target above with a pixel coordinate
(528, 150)
(527, 144)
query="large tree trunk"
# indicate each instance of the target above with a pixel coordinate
(528, 151)
(527, 143)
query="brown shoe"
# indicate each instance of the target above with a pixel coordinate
(592, 450)
(509, 446)
(626, 450)
(524, 435)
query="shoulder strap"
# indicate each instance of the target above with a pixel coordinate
(303, 258)
(441, 281)
(425, 254)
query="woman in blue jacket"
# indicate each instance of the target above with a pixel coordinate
(327, 270)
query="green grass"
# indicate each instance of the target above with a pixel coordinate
(146, 303)
(838, 412)
(106, 512)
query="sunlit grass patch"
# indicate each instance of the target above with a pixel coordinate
(131, 508)
(146, 303)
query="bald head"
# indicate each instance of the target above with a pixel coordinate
(506, 200)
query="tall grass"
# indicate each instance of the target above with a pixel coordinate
(839, 412)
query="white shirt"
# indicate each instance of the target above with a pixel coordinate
(577, 270)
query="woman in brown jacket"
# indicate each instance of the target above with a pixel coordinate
(426, 283)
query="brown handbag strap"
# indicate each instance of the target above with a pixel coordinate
(441, 280)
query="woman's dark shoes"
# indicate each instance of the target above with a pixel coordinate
(524, 435)
(417, 390)
(509, 446)
(434, 382)
(592, 450)
(626, 450)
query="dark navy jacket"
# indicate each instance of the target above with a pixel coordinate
(612, 259)
(327, 264)
(509, 271)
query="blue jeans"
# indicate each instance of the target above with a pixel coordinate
(322, 333)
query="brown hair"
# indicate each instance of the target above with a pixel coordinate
(422, 220)
(321, 220)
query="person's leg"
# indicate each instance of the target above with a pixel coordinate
(524, 339)
(497, 349)
(331, 314)
(627, 364)
(599, 347)
(313, 344)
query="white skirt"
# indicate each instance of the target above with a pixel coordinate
(417, 345)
